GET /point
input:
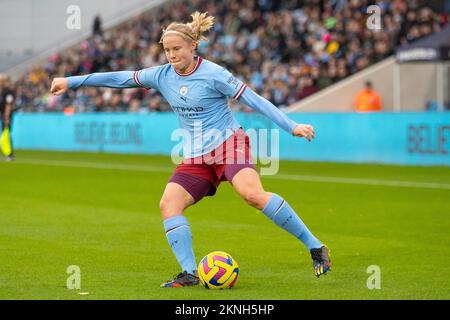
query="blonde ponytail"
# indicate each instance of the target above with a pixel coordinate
(200, 24)
(193, 31)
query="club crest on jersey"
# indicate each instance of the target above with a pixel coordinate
(183, 90)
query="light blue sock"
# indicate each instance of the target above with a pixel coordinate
(281, 213)
(179, 235)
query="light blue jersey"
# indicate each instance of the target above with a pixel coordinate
(199, 98)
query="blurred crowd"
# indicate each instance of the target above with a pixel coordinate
(285, 50)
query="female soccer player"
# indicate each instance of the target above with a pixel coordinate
(197, 90)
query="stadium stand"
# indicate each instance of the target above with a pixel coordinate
(285, 50)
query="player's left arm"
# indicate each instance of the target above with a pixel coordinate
(264, 106)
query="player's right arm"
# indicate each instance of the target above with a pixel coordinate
(146, 78)
(120, 79)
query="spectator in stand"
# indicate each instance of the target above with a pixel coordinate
(306, 88)
(97, 26)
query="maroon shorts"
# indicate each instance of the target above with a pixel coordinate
(202, 175)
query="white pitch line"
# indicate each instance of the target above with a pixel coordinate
(372, 182)
(127, 167)
(93, 165)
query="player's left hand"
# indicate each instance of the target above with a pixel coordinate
(304, 131)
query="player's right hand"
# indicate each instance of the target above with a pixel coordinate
(59, 86)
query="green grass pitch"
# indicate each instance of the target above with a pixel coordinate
(101, 212)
